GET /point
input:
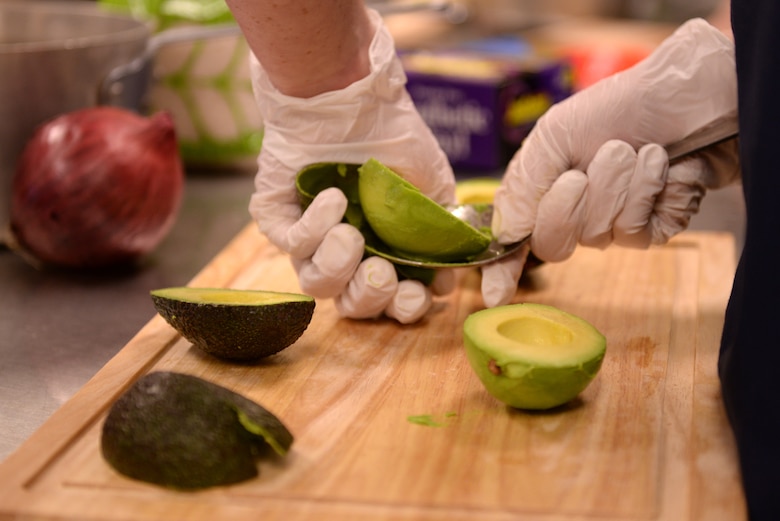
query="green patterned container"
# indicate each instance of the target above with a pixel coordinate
(204, 84)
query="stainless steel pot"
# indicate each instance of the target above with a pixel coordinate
(56, 57)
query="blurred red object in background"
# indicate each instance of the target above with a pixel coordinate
(593, 63)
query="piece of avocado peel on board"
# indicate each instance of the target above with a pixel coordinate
(183, 432)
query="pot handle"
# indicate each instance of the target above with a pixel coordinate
(127, 84)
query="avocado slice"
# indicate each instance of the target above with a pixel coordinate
(314, 178)
(411, 223)
(533, 356)
(180, 431)
(232, 324)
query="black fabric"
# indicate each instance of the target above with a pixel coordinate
(750, 351)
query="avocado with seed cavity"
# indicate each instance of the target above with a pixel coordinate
(533, 356)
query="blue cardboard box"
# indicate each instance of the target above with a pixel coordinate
(482, 100)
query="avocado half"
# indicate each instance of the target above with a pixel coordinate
(183, 432)
(411, 223)
(533, 356)
(234, 324)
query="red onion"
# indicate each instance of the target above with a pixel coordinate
(96, 187)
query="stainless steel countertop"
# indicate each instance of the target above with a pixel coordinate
(58, 329)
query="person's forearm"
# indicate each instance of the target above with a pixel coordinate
(307, 47)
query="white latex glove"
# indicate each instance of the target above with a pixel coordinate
(373, 117)
(593, 171)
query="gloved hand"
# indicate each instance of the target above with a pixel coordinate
(593, 171)
(372, 117)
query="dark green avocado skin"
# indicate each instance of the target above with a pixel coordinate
(180, 431)
(239, 333)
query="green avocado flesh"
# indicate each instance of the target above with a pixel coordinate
(314, 178)
(476, 190)
(180, 431)
(411, 223)
(533, 356)
(233, 324)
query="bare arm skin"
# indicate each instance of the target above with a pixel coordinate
(307, 47)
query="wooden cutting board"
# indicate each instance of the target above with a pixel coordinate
(647, 440)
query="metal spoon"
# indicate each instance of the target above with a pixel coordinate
(480, 215)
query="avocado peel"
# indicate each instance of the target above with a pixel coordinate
(314, 178)
(182, 432)
(273, 433)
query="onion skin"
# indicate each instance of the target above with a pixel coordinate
(96, 187)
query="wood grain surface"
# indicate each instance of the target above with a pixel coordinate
(647, 440)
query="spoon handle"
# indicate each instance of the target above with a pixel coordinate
(708, 136)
